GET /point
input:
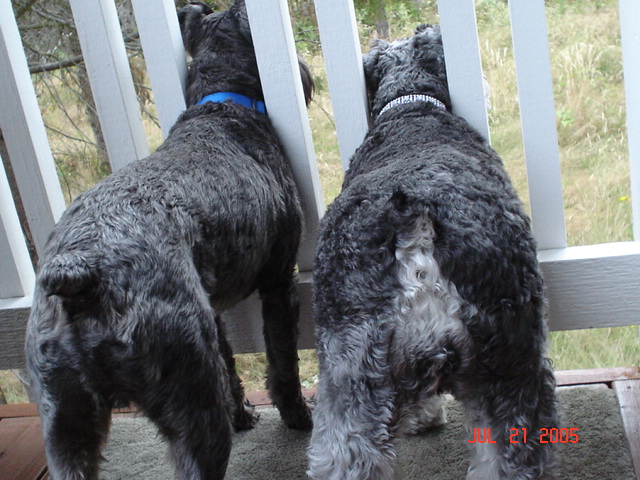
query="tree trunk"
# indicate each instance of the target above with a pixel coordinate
(381, 21)
(80, 71)
(15, 193)
(376, 15)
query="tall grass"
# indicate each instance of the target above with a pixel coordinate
(586, 64)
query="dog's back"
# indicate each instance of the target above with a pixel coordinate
(206, 198)
(197, 222)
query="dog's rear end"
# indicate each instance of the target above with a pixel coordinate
(92, 348)
(427, 281)
(138, 270)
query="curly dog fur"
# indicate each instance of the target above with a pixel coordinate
(138, 270)
(427, 282)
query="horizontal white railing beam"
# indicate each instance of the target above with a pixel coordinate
(247, 337)
(14, 313)
(592, 286)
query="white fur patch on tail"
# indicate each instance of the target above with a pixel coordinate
(428, 305)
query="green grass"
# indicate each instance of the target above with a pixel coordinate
(11, 387)
(587, 75)
(599, 348)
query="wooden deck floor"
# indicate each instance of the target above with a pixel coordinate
(22, 451)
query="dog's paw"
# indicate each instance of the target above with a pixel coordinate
(430, 414)
(298, 418)
(245, 417)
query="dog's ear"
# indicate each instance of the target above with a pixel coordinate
(308, 85)
(239, 10)
(427, 43)
(371, 64)
(190, 18)
(428, 33)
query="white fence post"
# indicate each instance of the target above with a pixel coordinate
(343, 61)
(464, 68)
(17, 275)
(538, 115)
(164, 57)
(630, 33)
(280, 75)
(111, 82)
(25, 135)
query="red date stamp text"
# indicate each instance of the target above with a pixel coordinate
(522, 435)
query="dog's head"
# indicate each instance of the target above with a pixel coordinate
(221, 48)
(409, 66)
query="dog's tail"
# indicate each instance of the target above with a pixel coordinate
(68, 275)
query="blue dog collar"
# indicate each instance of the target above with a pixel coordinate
(221, 97)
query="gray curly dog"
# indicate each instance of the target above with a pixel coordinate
(427, 282)
(138, 270)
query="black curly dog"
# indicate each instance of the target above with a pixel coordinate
(426, 282)
(138, 270)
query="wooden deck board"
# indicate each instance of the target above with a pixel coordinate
(21, 449)
(628, 393)
(18, 410)
(596, 375)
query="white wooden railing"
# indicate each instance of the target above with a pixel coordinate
(591, 286)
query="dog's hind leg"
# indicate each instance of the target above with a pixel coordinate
(185, 387)
(74, 423)
(244, 416)
(508, 423)
(280, 310)
(353, 420)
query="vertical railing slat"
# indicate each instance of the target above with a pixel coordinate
(17, 276)
(164, 56)
(343, 61)
(107, 65)
(25, 135)
(537, 112)
(464, 67)
(630, 33)
(280, 75)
